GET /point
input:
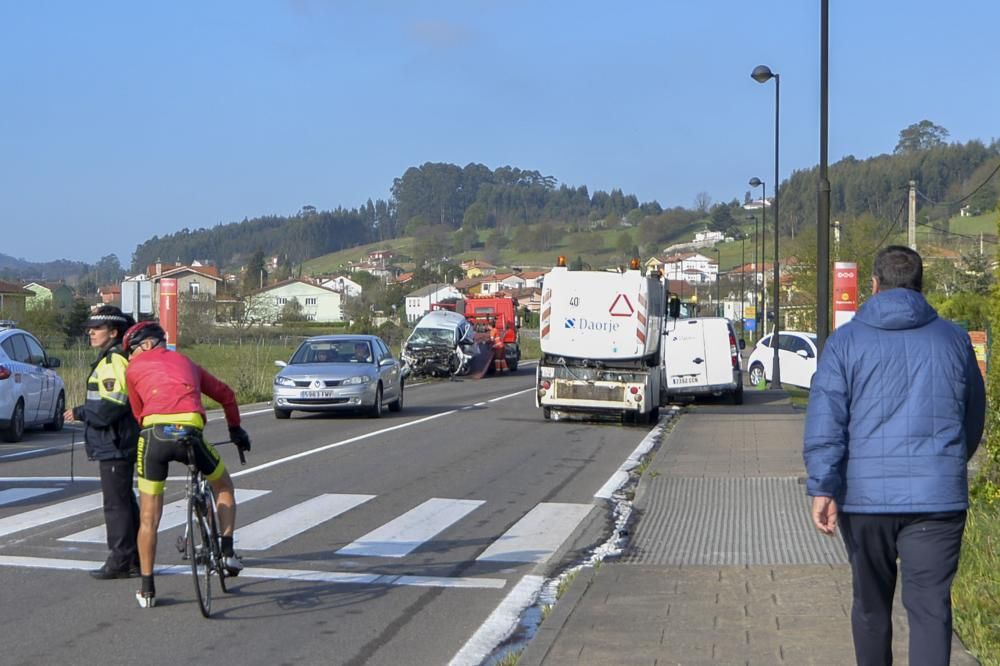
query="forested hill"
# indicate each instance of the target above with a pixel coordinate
(431, 198)
(448, 206)
(948, 177)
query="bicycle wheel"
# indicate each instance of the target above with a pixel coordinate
(216, 540)
(200, 554)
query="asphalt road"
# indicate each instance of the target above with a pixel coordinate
(402, 540)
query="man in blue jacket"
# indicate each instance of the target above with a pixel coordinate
(896, 410)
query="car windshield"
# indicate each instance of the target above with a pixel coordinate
(433, 336)
(336, 351)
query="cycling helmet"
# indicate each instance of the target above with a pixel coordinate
(144, 330)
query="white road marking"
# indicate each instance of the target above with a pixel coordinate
(49, 514)
(174, 514)
(538, 534)
(500, 624)
(618, 479)
(12, 495)
(303, 575)
(23, 453)
(285, 524)
(401, 536)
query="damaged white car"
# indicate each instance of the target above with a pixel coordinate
(441, 345)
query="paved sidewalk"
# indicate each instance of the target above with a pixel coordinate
(724, 566)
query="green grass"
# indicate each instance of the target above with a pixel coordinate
(976, 593)
(973, 226)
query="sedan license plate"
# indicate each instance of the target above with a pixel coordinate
(684, 379)
(318, 394)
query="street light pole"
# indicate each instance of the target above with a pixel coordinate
(762, 74)
(756, 281)
(823, 290)
(743, 270)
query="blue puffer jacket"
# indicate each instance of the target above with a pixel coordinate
(896, 409)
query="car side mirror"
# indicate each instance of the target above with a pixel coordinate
(386, 361)
(281, 364)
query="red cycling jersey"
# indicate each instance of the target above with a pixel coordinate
(165, 387)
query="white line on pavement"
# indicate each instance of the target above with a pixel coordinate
(500, 624)
(49, 514)
(349, 578)
(538, 534)
(278, 527)
(400, 537)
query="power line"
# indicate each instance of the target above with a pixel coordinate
(958, 201)
(892, 226)
(955, 233)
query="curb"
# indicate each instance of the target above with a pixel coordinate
(551, 627)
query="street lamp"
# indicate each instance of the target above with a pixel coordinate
(763, 74)
(757, 182)
(743, 270)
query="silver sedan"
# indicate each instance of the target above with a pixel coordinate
(339, 372)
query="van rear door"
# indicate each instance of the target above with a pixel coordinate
(685, 363)
(718, 351)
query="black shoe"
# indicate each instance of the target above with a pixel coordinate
(104, 573)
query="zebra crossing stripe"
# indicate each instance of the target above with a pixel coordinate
(294, 575)
(174, 514)
(538, 534)
(12, 495)
(401, 536)
(274, 529)
(49, 514)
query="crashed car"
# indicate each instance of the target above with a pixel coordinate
(442, 345)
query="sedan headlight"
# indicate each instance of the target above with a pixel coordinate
(281, 380)
(352, 381)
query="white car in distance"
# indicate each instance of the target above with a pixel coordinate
(796, 357)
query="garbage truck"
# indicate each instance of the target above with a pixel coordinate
(600, 334)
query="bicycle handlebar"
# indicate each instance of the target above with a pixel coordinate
(243, 457)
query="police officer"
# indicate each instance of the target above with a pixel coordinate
(111, 435)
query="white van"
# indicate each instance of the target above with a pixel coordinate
(701, 357)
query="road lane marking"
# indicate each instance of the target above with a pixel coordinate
(538, 534)
(12, 495)
(500, 624)
(49, 514)
(174, 514)
(400, 537)
(295, 575)
(278, 527)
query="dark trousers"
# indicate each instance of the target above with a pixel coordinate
(928, 546)
(121, 513)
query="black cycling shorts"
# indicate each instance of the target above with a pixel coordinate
(159, 445)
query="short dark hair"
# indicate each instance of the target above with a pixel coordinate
(899, 267)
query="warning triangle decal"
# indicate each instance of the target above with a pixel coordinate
(621, 307)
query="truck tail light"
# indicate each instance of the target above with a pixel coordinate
(633, 390)
(546, 384)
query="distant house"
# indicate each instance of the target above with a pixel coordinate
(110, 294)
(13, 298)
(379, 270)
(531, 278)
(477, 267)
(318, 303)
(343, 285)
(418, 303)
(529, 298)
(196, 279)
(471, 286)
(692, 267)
(56, 294)
(501, 281)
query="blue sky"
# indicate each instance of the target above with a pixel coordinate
(123, 120)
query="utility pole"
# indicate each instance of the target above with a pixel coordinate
(911, 228)
(823, 290)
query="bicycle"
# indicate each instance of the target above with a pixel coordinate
(201, 542)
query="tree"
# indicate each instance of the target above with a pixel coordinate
(624, 244)
(256, 275)
(722, 217)
(195, 318)
(702, 202)
(291, 312)
(75, 319)
(920, 136)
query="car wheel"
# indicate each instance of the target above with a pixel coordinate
(57, 421)
(376, 408)
(756, 374)
(15, 431)
(546, 413)
(282, 413)
(397, 404)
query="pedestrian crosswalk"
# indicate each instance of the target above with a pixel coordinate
(532, 539)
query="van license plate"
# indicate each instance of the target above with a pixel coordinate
(684, 379)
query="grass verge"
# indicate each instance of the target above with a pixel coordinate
(976, 593)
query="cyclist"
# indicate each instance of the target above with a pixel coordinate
(165, 389)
